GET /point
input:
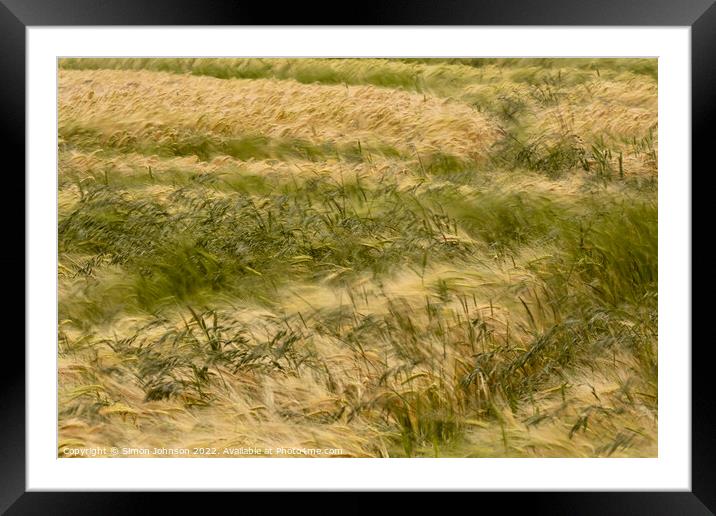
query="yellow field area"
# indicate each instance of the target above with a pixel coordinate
(369, 257)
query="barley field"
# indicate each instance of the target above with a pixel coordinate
(357, 257)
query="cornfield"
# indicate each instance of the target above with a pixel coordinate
(375, 257)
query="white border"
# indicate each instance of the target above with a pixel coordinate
(671, 471)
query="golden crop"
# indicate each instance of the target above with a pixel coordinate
(385, 258)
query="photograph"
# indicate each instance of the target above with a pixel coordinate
(303, 257)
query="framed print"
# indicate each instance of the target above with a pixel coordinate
(432, 250)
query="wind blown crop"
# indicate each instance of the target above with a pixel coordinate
(384, 257)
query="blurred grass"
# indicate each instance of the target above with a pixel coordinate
(222, 288)
(392, 73)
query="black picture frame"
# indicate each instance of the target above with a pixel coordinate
(17, 15)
